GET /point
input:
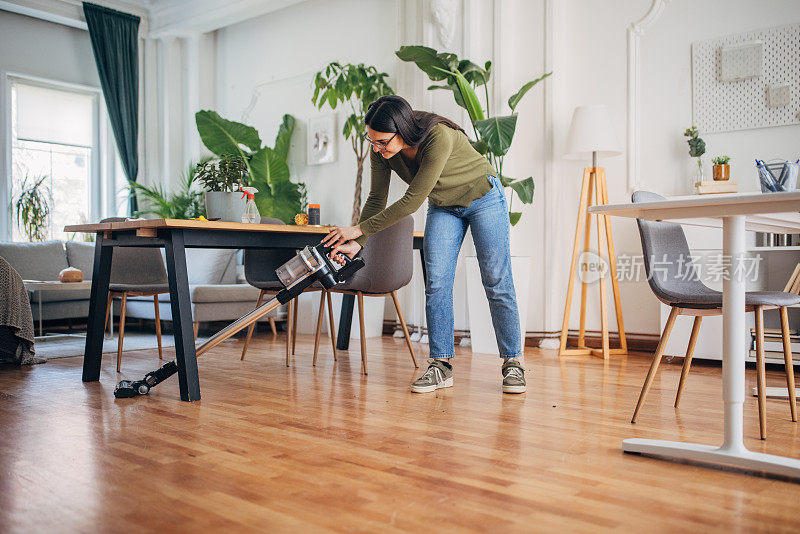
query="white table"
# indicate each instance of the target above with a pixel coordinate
(772, 212)
(52, 285)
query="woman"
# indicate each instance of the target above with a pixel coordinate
(434, 156)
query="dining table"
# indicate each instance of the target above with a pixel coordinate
(175, 236)
(736, 214)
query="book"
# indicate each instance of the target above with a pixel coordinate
(709, 187)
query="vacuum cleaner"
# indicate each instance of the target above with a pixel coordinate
(310, 265)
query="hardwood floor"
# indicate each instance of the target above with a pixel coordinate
(277, 449)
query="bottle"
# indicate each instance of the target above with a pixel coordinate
(313, 214)
(250, 214)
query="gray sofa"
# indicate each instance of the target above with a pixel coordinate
(215, 293)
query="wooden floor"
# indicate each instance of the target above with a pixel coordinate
(301, 449)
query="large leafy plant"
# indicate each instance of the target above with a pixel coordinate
(226, 175)
(33, 208)
(357, 86)
(493, 133)
(266, 167)
(185, 203)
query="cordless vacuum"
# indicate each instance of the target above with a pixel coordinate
(310, 265)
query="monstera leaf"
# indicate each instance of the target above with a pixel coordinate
(268, 169)
(498, 132)
(284, 137)
(223, 137)
(282, 201)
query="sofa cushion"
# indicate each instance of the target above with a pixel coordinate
(60, 295)
(35, 261)
(215, 293)
(80, 255)
(210, 266)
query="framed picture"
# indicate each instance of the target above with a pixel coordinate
(322, 140)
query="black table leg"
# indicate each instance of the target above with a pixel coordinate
(345, 320)
(424, 270)
(101, 273)
(188, 379)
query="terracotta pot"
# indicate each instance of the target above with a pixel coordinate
(722, 172)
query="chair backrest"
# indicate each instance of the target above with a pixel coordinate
(388, 258)
(667, 259)
(137, 265)
(260, 265)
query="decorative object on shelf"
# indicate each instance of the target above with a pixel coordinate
(70, 275)
(592, 134)
(313, 214)
(267, 169)
(221, 180)
(321, 141)
(777, 176)
(493, 134)
(186, 203)
(33, 208)
(301, 219)
(697, 147)
(745, 80)
(359, 86)
(250, 214)
(711, 187)
(721, 169)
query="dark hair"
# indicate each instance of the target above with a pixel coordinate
(391, 113)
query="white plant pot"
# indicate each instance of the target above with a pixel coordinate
(228, 207)
(481, 331)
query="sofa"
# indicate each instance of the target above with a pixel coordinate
(216, 293)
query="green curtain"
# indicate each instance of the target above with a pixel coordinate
(115, 43)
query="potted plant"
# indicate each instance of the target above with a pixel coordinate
(222, 180)
(266, 167)
(721, 169)
(358, 86)
(697, 147)
(493, 137)
(33, 208)
(186, 203)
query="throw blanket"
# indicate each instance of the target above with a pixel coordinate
(16, 319)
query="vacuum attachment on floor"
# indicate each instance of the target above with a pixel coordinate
(310, 265)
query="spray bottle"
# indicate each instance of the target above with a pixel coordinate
(250, 214)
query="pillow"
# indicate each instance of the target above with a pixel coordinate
(81, 256)
(35, 261)
(207, 266)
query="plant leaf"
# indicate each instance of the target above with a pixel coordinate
(514, 217)
(498, 132)
(524, 189)
(268, 169)
(284, 138)
(472, 104)
(481, 147)
(283, 201)
(222, 136)
(516, 97)
(427, 59)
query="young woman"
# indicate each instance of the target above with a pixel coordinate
(434, 156)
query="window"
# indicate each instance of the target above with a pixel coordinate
(56, 133)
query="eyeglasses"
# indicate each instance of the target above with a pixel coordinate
(382, 144)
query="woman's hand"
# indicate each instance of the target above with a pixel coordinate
(342, 234)
(350, 248)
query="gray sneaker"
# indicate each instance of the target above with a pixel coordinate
(513, 377)
(437, 376)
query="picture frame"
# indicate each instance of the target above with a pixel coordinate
(321, 140)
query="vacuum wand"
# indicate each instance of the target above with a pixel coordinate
(310, 265)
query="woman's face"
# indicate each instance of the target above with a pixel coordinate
(386, 144)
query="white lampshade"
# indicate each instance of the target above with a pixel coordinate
(591, 131)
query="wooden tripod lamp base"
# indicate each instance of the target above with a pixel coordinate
(594, 183)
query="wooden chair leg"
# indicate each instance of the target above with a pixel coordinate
(121, 331)
(320, 317)
(294, 323)
(108, 308)
(787, 359)
(760, 372)
(363, 332)
(289, 331)
(405, 329)
(651, 374)
(687, 361)
(158, 327)
(272, 326)
(196, 328)
(251, 327)
(331, 325)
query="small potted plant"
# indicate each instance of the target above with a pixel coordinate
(722, 171)
(33, 208)
(221, 180)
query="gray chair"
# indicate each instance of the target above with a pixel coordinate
(136, 272)
(682, 289)
(388, 256)
(259, 271)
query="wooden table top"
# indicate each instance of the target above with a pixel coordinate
(155, 224)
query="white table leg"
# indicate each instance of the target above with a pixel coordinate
(732, 453)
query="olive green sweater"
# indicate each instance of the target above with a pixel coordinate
(447, 171)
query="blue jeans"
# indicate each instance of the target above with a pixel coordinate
(445, 228)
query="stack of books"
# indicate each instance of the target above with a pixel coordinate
(707, 187)
(773, 343)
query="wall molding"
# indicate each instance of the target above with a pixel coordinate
(635, 32)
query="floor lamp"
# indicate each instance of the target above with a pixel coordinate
(591, 134)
